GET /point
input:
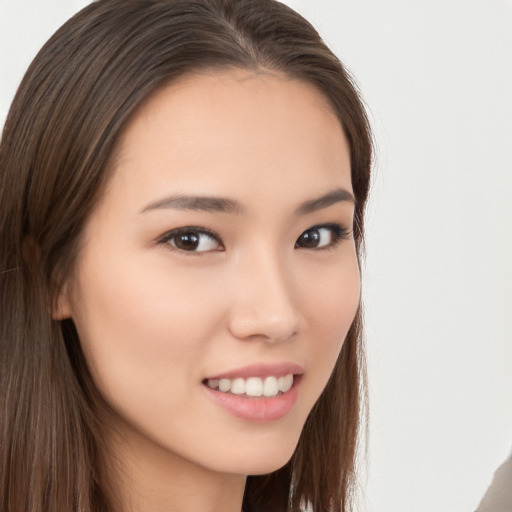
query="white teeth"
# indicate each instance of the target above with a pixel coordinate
(270, 387)
(285, 383)
(238, 386)
(224, 384)
(253, 386)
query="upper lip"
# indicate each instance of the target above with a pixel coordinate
(261, 370)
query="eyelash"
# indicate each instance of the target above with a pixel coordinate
(338, 234)
(188, 230)
(337, 231)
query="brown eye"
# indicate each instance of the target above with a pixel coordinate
(192, 240)
(309, 239)
(319, 237)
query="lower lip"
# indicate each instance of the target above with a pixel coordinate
(256, 409)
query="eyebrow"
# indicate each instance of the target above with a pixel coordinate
(202, 203)
(224, 205)
(335, 196)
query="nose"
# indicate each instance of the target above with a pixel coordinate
(264, 302)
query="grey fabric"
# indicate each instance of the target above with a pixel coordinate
(498, 497)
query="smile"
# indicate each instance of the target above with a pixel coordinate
(253, 386)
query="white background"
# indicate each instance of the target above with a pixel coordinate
(437, 78)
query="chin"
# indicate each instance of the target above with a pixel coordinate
(261, 457)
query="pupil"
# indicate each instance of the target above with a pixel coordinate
(310, 238)
(187, 241)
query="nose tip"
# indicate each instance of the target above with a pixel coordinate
(264, 307)
(272, 326)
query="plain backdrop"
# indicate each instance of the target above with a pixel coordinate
(437, 79)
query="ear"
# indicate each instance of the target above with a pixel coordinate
(31, 255)
(62, 308)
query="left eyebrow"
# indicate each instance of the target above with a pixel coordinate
(203, 203)
(334, 196)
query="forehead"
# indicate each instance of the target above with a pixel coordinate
(230, 127)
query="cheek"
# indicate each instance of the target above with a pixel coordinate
(141, 329)
(334, 300)
(331, 310)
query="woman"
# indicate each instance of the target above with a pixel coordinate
(182, 189)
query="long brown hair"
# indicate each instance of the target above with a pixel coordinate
(59, 136)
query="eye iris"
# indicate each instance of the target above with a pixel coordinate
(310, 238)
(187, 241)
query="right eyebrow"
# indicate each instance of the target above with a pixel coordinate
(202, 203)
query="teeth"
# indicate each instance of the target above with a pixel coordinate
(224, 384)
(270, 387)
(253, 386)
(285, 383)
(238, 387)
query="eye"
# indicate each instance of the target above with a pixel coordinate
(192, 239)
(322, 236)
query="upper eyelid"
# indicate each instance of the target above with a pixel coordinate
(331, 225)
(184, 229)
(343, 230)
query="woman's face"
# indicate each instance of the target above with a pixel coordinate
(219, 269)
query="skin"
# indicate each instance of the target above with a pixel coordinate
(155, 320)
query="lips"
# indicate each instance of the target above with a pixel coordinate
(258, 392)
(260, 370)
